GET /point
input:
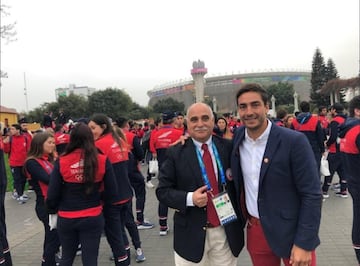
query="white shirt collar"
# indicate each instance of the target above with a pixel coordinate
(263, 137)
(199, 144)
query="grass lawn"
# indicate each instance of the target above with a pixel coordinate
(8, 174)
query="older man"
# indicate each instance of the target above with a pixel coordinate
(191, 179)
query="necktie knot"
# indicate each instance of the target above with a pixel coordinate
(204, 147)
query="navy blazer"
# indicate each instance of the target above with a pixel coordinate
(289, 197)
(179, 174)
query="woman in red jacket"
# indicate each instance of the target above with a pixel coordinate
(119, 214)
(38, 167)
(76, 184)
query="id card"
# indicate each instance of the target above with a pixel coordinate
(224, 208)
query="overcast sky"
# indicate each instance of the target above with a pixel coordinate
(137, 45)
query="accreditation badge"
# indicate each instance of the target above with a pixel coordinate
(224, 208)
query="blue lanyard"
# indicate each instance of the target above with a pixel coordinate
(203, 170)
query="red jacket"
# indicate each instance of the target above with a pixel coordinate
(164, 137)
(17, 148)
(66, 191)
(335, 123)
(111, 148)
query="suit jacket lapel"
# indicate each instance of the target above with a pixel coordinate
(271, 147)
(192, 161)
(235, 158)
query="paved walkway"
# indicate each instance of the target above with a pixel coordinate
(25, 234)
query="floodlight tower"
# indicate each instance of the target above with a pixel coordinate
(198, 72)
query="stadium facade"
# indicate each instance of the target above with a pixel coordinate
(222, 89)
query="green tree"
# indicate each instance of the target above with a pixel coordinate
(209, 102)
(74, 106)
(111, 101)
(35, 115)
(332, 73)
(318, 79)
(283, 93)
(138, 112)
(168, 104)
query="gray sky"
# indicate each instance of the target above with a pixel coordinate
(137, 45)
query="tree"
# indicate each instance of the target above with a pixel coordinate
(332, 73)
(111, 101)
(138, 112)
(318, 79)
(283, 93)
(168, 104)
(209, 102)
(7, 31)
(74, 106)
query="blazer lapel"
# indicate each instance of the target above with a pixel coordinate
(235, 158)
(192, 161)
(271, 147)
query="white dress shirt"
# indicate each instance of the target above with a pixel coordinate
(251, 157)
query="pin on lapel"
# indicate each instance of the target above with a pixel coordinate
(266, 160)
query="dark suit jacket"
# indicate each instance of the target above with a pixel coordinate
(181, 173)
(289, 199)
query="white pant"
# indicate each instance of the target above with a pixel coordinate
(216, 251)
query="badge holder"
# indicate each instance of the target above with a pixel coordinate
(224, 208)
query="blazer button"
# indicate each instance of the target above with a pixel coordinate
(204, 228)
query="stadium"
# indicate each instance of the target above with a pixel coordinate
(221, 89)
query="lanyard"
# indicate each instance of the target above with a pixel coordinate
(203, 170)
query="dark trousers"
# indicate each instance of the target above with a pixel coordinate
(114, 230)
(19, 179)
(318, 156)
(162, 208)
(163, 213)
(335, 165)
(51, 245)
(128, 218)
(51, 241)
(354, 190)
(5, 255)
(86, 231)
(138, 184)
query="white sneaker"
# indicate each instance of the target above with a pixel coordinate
(149, 184)
(140, 255)
(164, 230)
(25, 196)
(14, 195)
(78, 251)
(22, 200)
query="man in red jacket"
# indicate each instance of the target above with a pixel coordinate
(136, 155)
(159, 144)
(335, 156)
(17, 146)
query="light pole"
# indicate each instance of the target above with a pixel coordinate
(273, 105)
(25, 93)
(296, 103)
(214, 104)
